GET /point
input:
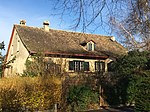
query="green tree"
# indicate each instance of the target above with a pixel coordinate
(133, 74)
(80, 97)
(139, 91)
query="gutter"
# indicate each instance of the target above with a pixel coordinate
(71, 54)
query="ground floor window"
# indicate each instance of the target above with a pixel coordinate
(52, 68)
(99, 66)
(78, 65)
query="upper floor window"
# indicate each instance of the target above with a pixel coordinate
(78, 65)
(91, 46)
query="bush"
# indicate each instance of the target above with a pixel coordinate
(142, 96)
(25, 93)
(38, 65)
(134, 88)
(81, 97)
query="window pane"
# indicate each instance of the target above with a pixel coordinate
(110, 67)
(90, 47)
(103, 66)
(86, 66)
(71, 65)
(99, 66)
(94, 46)
(77, 66)
(82, 66)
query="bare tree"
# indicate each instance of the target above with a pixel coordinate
(128, 18)
(85, 12)
(135, 27)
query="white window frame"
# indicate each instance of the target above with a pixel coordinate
(90, 46)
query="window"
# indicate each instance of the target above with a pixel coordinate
(71, 65)
(78, 65)
(91, 46)
(86, 66)
(110, 66)
(99, 66)
(52, 68)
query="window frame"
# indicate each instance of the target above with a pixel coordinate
(99, 66)
(91, 46)
(78, 66)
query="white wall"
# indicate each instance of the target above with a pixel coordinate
(17, 50)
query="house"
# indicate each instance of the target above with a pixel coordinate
(75, 52)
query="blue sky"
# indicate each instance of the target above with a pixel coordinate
(34, 12)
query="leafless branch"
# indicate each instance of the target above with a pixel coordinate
(133, 17)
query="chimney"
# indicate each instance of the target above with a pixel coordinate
(112, 38)
(46, 25)
(23, 22)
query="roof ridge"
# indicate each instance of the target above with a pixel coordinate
(26, 26)
(68, 31)
(80, 32)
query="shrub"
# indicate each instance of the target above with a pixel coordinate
(80, 97)
(142, 93)
(25, 93)
(38, 65)
(134, 88)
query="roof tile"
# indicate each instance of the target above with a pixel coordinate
(58, 41)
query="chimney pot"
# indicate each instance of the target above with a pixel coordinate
(46, 25)
(23, 22)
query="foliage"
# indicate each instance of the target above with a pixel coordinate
(37, 65)
(2, 47)
(117, 90)
(133, 74)
(80, 97)
(135, 60)
(3, 64)
(139, 91)
(26, 93)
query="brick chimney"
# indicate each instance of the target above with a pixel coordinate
(23, 22)
(46, 25)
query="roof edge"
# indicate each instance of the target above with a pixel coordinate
(69, 54)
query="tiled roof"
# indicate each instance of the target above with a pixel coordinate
(58, 41)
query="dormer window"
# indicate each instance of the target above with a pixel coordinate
(91, 46)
